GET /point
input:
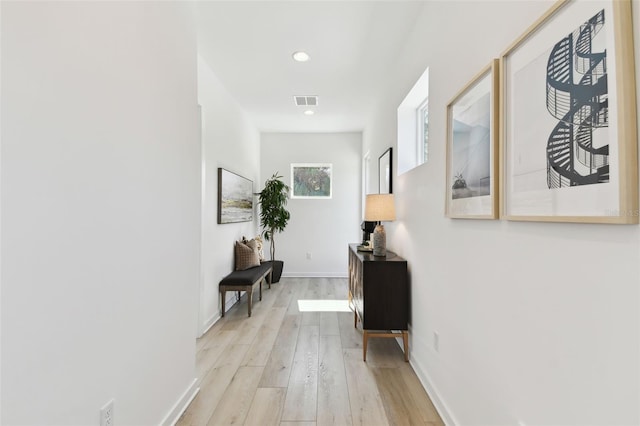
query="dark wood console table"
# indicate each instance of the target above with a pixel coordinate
(379, 296)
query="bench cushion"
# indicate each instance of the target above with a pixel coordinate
(246, 277)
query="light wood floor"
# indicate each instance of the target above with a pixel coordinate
(287, 367)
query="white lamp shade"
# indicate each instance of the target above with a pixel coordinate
(379, 207)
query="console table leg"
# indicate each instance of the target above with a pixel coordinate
(365, 340)
(405, 340)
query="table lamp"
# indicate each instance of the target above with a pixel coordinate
(378, 208)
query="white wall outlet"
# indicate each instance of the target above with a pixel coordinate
(436, 341)
(106, 414)
(309, 256)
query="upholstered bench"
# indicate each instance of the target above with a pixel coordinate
(245, 280)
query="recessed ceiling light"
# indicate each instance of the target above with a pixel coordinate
(309, 112)
(301, 56)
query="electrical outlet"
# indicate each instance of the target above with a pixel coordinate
(436, 341)
(106, 414)
(308, 255)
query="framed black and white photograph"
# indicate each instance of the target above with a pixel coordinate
(235, 197)
(569, 136)
(385, 172)
(311, 180)
(472, 146)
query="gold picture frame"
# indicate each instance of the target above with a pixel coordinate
(568, 103)
(472, 148)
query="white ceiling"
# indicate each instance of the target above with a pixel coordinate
(353, 46)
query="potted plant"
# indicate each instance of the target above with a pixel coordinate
(273, 216)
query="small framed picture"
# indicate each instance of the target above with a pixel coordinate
(385, 175)
(311, 180)
(472, 146)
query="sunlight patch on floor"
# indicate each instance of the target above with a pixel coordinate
(323, 305)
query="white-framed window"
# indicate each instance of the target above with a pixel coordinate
(422, 131)
(413, 126)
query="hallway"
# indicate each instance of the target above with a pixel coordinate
(295, 363)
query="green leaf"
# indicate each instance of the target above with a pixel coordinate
(273, 215)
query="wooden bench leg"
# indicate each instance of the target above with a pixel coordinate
(222, 292)
(249, 296)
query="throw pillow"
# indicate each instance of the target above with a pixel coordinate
(260, 248)
(246, 255)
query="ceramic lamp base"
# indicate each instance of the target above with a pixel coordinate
(379, 241)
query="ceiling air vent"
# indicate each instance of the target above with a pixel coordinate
(305, 100)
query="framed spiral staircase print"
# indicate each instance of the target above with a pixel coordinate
(568, 138)
(472, 146)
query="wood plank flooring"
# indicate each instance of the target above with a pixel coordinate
(282, 366)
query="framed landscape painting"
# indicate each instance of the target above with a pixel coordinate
(472, 146)
(311, 180)
(235, 197)
(569, 135)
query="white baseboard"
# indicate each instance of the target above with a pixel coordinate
(314, 275)
(181, 405)
(444, 412)
(229, 303)
(208, 324)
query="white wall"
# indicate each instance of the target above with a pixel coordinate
(100, 210)
(322, 227)
(538, 323)
(230, 141)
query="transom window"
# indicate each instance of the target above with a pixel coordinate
(422, 140)
(413, 126)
